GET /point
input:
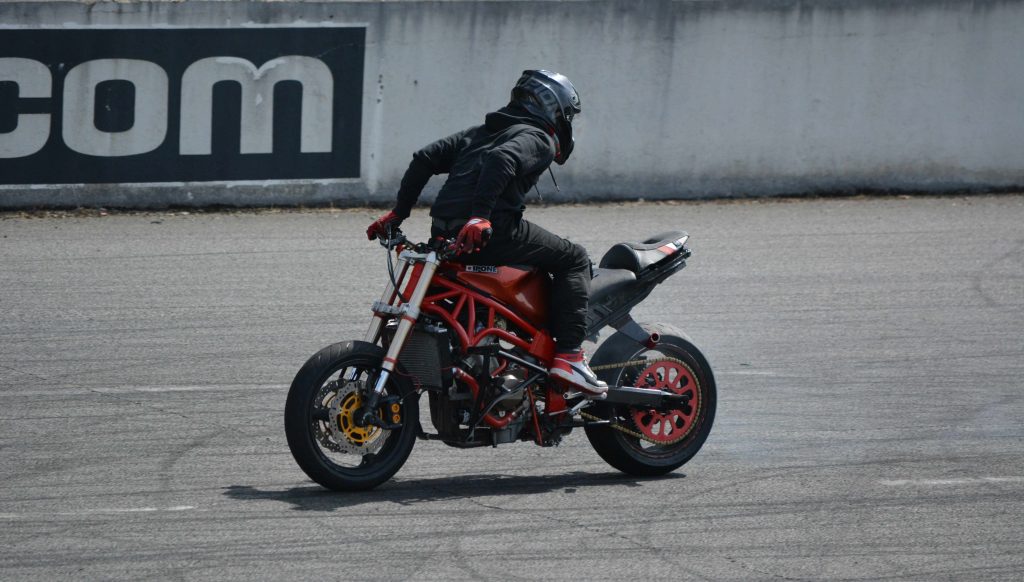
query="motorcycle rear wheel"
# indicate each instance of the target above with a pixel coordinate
(677, 435)
(324, 398)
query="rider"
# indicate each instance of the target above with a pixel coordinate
(490, 169)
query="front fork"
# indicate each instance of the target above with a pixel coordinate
(422, 266)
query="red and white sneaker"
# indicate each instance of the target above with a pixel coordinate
(572, 368)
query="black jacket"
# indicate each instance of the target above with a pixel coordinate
(490, 167)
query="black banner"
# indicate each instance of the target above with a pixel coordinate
(175, 105)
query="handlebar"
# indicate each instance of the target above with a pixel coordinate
(444, 247)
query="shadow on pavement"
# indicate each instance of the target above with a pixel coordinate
(406, 492)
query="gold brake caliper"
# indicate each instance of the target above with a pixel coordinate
(350, 437)
(357, 435)
(627, 430)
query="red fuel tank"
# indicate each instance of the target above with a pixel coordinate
(523, 291)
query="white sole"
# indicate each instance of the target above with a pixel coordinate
(568, 378)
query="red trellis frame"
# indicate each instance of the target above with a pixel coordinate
(538, 342)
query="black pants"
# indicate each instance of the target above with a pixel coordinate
(519, 242)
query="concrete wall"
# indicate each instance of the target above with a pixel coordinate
(681, 99)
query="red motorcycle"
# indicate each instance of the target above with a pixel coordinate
(473, 339)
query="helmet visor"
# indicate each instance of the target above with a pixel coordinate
(564, 133)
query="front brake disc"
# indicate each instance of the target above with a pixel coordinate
(344, 404)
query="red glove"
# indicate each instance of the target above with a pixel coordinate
(473, 236)
(380, 226)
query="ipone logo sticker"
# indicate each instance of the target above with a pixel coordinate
(169, 105)
(481, 269)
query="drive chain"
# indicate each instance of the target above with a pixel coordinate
(639, 362)
(619, 427)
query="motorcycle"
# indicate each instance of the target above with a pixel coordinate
(473, 339)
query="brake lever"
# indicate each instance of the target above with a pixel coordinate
(448, 251)
(444, 247)
(394, 237)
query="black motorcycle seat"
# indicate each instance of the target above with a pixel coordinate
(636, 257)
(609, 282)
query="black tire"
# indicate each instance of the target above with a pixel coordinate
(633, 455)
(345, 466)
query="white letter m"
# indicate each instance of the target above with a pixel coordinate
(257, 131)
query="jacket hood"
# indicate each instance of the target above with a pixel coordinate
(510, 115)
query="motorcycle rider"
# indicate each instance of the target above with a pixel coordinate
(490, 168)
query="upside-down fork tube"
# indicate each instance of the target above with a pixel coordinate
(426, 265)
(386, 298)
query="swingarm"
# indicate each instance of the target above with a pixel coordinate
(645, 397)
(628, 395)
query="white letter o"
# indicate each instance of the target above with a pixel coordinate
(150, 127)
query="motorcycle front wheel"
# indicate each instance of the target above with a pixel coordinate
(648, 442)
(324, 401)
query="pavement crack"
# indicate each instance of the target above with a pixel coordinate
(17, 371)
(469, 498)
(1013, 255)
(762, 572)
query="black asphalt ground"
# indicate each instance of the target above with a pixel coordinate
(869, 353)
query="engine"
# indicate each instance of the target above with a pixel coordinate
(452, 411)
(514, 402)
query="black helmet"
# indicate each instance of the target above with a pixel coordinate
(552, 99)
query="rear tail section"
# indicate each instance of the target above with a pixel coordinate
(628, 273)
